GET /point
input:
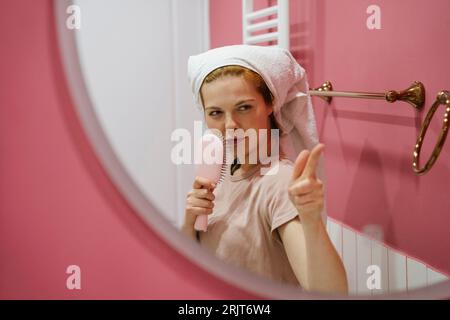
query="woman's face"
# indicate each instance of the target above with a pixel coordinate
(233, 102)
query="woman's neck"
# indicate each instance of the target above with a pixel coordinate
(242, 167)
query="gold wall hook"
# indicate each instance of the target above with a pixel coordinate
(414, 94)
(443, 98)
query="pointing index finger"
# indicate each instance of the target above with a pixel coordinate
(313, 161)
(299, 164)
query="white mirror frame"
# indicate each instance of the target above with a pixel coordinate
(159, 224)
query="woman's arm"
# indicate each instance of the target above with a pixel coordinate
(189, 230)
(313, 257)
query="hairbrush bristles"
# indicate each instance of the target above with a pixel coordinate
(223, 169)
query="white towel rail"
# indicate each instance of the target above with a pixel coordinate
(281, 23)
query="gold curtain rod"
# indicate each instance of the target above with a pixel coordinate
(414, 95)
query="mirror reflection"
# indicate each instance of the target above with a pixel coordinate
(299, 192)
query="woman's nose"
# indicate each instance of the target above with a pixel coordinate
(230, 123)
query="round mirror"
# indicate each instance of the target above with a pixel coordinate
(126, 68)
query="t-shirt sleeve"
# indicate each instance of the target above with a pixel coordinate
(280, 209)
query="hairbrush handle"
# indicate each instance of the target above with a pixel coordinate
(201, 223)
(210, 167)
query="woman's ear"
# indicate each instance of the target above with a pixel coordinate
(269, 110)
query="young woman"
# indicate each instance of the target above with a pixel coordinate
(268, 224)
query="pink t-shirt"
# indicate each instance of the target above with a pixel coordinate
(242, 228)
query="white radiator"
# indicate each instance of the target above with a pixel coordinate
(361, 255)
(280, 22)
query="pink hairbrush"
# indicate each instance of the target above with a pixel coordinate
(211, 167)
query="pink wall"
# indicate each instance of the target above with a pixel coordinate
(369, 143)
(57, 205)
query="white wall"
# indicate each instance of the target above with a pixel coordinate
(134, 61)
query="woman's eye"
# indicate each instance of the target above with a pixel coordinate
(214, 113)
(244, 107)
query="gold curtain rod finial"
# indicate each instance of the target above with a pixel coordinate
(414, 95)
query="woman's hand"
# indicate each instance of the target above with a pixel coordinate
(305, 190)
(199, 200)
